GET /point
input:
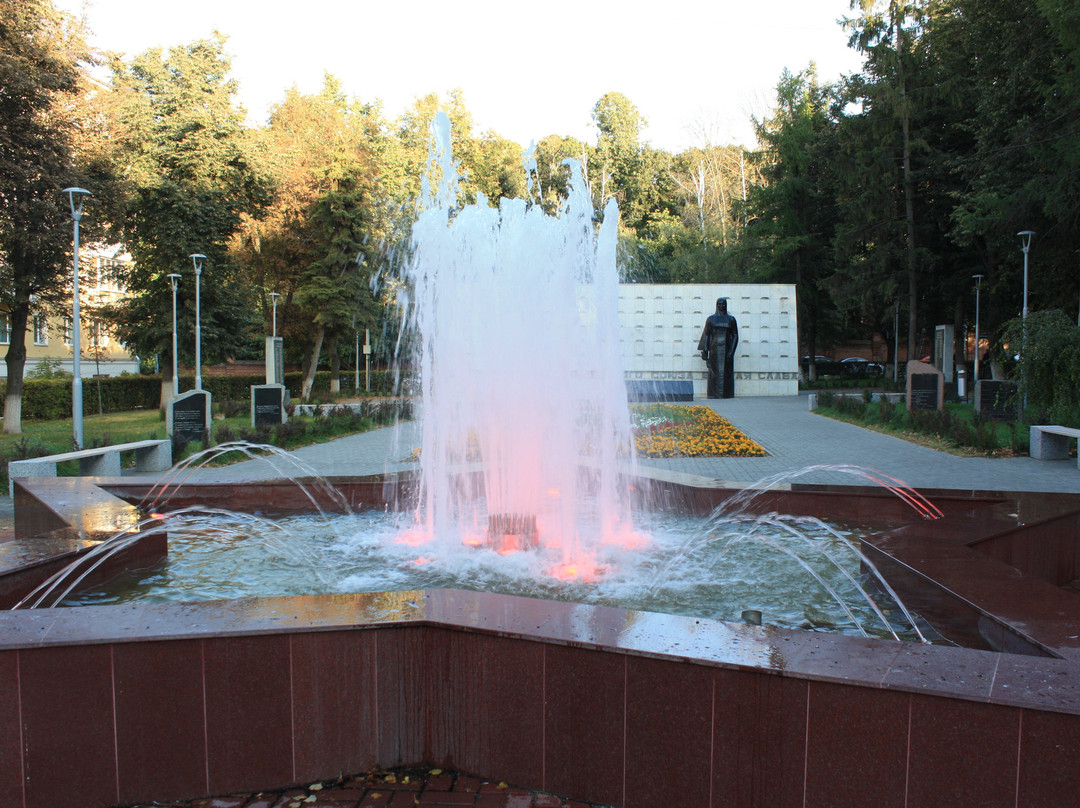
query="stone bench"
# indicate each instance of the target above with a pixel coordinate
(150, 455)
(1052, 442)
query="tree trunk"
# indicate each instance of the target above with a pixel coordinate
(165, 366)
(335, 366)
(309, 376)
(16, 364)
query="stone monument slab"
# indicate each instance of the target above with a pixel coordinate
(187, 417)
(997, 400)
(925, 387)
(267, 404)
(275, 360)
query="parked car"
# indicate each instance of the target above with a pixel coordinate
(825, 366)
(857, 366)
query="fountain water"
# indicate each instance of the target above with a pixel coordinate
(514, 314)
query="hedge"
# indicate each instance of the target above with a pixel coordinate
(50, 399)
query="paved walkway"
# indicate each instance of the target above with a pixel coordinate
(794, 437)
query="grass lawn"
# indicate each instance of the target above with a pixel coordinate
(40, 438)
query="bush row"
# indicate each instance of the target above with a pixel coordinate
(975, 432)
(50, 399)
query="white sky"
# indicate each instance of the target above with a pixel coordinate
(527, 69)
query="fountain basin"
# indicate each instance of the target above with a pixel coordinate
(177, 701)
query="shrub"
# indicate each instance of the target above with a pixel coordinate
(1049, 367)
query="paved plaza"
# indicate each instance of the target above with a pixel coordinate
(794, 438)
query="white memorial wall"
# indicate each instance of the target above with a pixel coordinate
(660, 325)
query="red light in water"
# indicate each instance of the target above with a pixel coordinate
(157, 516)
(584, 570)
(629, 540)
(413, 538)
(472, 541)
(422, 560)
(554, 492)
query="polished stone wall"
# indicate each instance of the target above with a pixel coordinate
(660, 325)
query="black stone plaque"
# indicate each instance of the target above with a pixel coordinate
(659, 390)
(924, 391)
(267, 404)
(189, 416)
(997, 400)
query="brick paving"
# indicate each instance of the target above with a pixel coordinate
(398, 788)
(794, 437)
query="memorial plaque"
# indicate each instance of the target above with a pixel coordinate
(925, 387)
(923, 392)
(188, 416)
(997, 400)
(267, 404)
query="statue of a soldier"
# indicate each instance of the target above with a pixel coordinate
(718, 341)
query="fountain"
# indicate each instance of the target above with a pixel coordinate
(167, 701)
(517, 345)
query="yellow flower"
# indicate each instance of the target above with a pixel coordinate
(669, 430)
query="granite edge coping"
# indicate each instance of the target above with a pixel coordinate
(1038, 683)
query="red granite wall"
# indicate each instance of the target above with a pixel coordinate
(123, 722)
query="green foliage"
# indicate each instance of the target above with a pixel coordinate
(1048, 372)
(181, 146)
(39, 79)
(50, 398)
(46, 369)
(957, 425)
(795, 208)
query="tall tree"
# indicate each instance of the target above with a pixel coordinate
(180, 144)
(314, 241)
(39, 51)
(625, 168)
(795, 207)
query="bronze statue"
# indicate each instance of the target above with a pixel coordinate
(718, 341)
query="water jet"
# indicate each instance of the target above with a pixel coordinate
(188, 699)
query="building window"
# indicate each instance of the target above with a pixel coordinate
(99, 336)
(41, 330)
(5, 328)
(67, 331)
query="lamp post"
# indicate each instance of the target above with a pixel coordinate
(1078, 305)
(1025, 245)
(174, 279)
(978, 280)
(197, 259)
(274, 296)
(76, 197)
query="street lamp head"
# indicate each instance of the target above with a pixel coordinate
(76, 197)
(275, 296)
(978, 280)
(197, 259)
(174, 278)
(1025, 238)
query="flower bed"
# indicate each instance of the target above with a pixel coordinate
(669, 430)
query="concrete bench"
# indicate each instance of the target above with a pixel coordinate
(150, 455)
(1052, 442)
